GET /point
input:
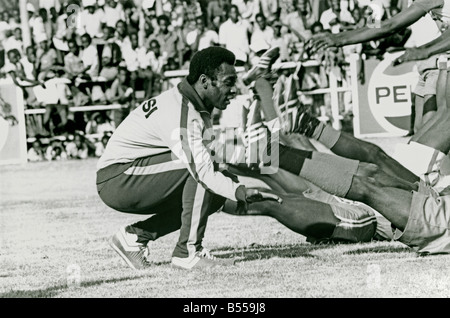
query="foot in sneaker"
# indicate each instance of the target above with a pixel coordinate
(263, 66)
(305, 124)
(202, 259)
(125, 244)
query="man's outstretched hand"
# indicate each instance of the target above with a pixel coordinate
(320, 42)
(244, 196)
(411, 54)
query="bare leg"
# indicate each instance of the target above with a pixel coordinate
(350, 147)
(386, 180)
(394, 204)
(302, 215)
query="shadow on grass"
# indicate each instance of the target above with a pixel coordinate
(379, 249)
(257, 252)
(55, 290)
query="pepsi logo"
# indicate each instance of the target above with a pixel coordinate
(389, 94)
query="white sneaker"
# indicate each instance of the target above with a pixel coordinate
(201, 259)
(135, 254)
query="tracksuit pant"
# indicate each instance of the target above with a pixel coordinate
(160, 186)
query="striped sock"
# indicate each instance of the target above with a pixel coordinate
(326, 135)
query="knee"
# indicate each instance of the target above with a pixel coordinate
(367, 169)
(361, 189)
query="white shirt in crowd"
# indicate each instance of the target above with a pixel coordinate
(234, 36)
(112, 15)
(136, 58)
(207, 39)
(91, 23)
(11, 43)
(247, 9)
(89, 56)
(261, 39)
(4, 27)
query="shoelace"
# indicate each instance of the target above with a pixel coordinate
(204, 253)
(145, 253)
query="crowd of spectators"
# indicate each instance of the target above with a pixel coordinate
(87, 52)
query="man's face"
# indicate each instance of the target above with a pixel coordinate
(122, 76)
(43, 45)
(301, 6)
(163, 25)
(134, 40)
(154, 46)
(336, 5)
(112, 3)
(120, 28)
(233, 14)
(200, 25)
(18, 34)
(85, 42)
(31, 55)
(261, 22)
(73, 48)
(13, 57)
(222, 90)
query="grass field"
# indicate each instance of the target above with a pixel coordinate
(53, 243)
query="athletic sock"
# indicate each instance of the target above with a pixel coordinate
(292, 159)
(326, 135)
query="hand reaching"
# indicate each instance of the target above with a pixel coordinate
(411, 54)
(320, 42)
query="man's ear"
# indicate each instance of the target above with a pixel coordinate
(204, 81)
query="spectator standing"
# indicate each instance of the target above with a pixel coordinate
(89, 56)
(234, 36)
(148, 22)
(47, 58)
(158, 62)
(201, 37)
(5, 27)
(262, 36)
(192, 10)
(170, 43)
(335, 17)
(91, 20)
(138, 65)
(281, 40)
(121, 37)
(269, 8)
(74, 71)
(113, 12)
(215, 8)
(122, 93)
(286, 7)
(247, 8)
(15, 41)
(299, 22)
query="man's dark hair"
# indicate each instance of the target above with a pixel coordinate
(163, 17)
(260, 15)
(208, 62)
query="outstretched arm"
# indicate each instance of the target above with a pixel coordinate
(390, 26)
(438, 45)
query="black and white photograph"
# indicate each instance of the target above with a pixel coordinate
(224, 154)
